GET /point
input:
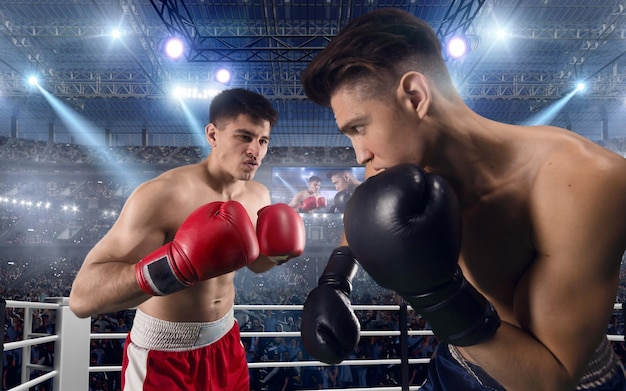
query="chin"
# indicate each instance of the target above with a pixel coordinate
(247, 176)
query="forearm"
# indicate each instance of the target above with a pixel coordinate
(106, 287)
(519, 362)
(343, 241)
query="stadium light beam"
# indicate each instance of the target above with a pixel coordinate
(79, 126)
(195, 125)
(289, 186)
(548, 113)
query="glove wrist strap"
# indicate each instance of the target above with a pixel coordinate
(464, 317)
(155, 274)
(340, 269)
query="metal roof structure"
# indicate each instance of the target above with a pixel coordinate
(121, 89)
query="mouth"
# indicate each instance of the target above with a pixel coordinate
(251, 163)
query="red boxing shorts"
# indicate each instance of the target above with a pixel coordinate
(161, 355)
(449, 371)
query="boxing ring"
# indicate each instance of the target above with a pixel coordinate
(72, 338)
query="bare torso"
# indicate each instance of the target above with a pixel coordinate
(151, 217)
(499, 235)
(497, 247)
(211, 299)
(206, 301)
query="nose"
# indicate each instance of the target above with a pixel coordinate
(254, 150)
(363, 155)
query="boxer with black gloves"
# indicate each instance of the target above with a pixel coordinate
(330, 329)
(404, 226)
(174, 250)
(542, 211)
(340, 201)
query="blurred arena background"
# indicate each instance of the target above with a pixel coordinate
(90, 106)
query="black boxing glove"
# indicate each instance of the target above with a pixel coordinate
(404, 226)
(330, 329)
(341, 200)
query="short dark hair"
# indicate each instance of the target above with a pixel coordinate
(229, 104)
(315, 178)
(372, 52)
(331, 174)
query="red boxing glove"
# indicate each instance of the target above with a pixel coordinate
(280, 231)
(321, 202)
(308, 204)
(217, 238)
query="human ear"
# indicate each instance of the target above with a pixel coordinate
(209, 133)
(414, 91)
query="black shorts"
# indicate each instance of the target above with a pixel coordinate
(448, 371)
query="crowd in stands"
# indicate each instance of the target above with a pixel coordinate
(13, 149)
(288, 284)
(34, 278)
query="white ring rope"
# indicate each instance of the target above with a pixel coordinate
(31, 339)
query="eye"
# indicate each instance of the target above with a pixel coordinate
(358, 129)
(264, 141)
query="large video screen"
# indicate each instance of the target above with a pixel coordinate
(296, 186)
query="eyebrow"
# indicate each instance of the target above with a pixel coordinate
(346, 127)
(250, 133)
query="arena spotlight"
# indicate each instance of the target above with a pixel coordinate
(116, 33)
(33, 80)
(192, 93)
(581, 86)
(174, 48)
(458, 46)
(223, 76)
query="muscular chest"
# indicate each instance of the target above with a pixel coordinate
(496, 248)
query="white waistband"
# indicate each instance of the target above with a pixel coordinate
(157, 334)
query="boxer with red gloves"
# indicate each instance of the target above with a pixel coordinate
(219, 238)
(308, 204)
(215, 239)
(174, 250)
(321, 202)
(280, 232)
(309, 199)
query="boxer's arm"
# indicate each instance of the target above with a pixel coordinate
(297, 200)
(106, 281)
(563, 302)
(369, 171)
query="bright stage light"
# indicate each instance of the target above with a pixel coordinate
(457, 47)
(580, 86)
(174, 48)
(183, 93)
(33, 80)
(223, 76)
(116, 33)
